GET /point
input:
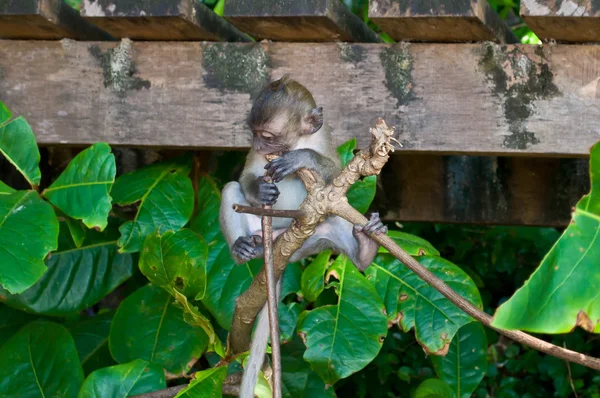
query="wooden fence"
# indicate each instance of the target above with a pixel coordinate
(493, 131)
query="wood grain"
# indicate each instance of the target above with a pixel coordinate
(441, 98)
(298, 20)
(440, 20)
(164, 20)
(570, 21)
(481, 190)
(45, 20)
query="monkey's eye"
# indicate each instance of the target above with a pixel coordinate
(266, 136)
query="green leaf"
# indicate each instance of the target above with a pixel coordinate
(411, 244)
(206, 384)
(40, 361)
(77, 229)
(433, 388)
(28, 232)
(362, 192)
(176, 260)
(82, 190)
(193, 316)
(5, 189)
(121, 381)
(415, 304)
(11, 321)
(91, 341)
(313, 277)
(148, 326)
(465, 364)
(298, 379)
(288, 318)
(18, 145)
(77, 278)
(563, 291)
(342, 339)
(225, 279)
(166, 201)
(5, 114)
(291, 280)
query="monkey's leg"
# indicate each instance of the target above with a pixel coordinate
(343, 237)
(239, 229)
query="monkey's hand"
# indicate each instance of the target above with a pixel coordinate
(289, 163)
(267, 192)
(246, 248)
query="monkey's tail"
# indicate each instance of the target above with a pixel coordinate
(258, 349)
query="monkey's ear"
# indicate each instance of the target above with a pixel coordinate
(313, 122)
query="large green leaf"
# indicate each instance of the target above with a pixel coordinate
(563, 291)
(28, 232)
(433, 388)
(225, 279)
(298, 379)
(148, 326)
(166, 201)
(362, 192)
(206, 384)
(11, 320)
(91, 341)
(415, 304)
(176, 260)
(18, 145)
(82, 190)
(122, 381)
(313, 277)
(290, 282)
(411, 244)
(77, 278)
(40, 361)
(465, 364)
(342, 339)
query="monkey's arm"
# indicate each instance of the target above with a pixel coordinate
(305, 158)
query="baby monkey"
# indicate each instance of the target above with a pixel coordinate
(286, 121)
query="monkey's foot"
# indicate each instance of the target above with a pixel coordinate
(367, 248)
(246, 248)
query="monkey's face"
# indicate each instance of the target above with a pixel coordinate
(279, 135)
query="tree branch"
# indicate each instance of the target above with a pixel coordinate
(323, 200)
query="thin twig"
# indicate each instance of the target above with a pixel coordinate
(570, 374)
(267, 211)
(267, 229)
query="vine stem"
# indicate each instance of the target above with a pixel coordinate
(350, 214)
(272, 299)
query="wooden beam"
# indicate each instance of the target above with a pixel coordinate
(481, 190)
(160, 20)
(298, 20)
(480, 98)
(440, 21)
(574, 21)
(45, 20)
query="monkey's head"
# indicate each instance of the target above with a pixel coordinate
(282, 113)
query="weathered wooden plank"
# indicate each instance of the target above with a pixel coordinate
(160, 20)
(481, 190)
(440, 20)
(44, 19)
(575, 21)
(442, 98)
(298, 20)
